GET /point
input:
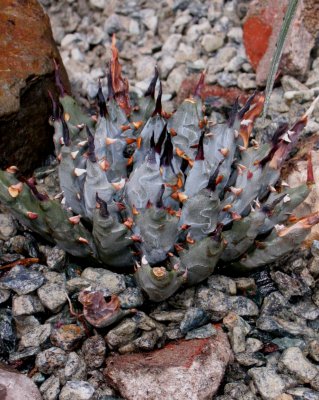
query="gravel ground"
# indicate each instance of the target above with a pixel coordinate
(271, 316)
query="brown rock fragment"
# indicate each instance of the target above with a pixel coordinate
(191, 369)
(27, 52)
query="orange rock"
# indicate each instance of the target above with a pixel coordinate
(226, 96)
(261, 29)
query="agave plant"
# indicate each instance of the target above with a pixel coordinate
(168, 195)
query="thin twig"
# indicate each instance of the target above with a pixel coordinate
(24, 261)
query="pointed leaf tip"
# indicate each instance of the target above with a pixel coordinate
(150, 92)
(119, 86)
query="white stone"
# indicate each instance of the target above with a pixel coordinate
(175, 79)
(186, 53)
(212, 41)
(134, 27)
(79, 390)
(166, 65)
(98, 4)
(144, 67)
(268, 383)
(171, 43)
(293, 361)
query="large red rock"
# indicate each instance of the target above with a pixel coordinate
(262, 26)
(187, 369)
(15, 386)
(27, 51)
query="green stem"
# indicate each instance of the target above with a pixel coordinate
(289, 16)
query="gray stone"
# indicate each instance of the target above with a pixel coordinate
(144, 67)
(134, 27)
(214, 301)
(203, 332)
(235, 34)
(173, 333)
(50, 389)
(77, 284)
(193, 318)
(79, 390)
(305, 308)
(301, 95)
(246, 285)
(288, 285)
(253, 345)
(71, 38)
(150, 20)
(238, 391)
(313, 78)
(23, 355)
(212, 41)
(277, 101)
(166, 65)
(172, 42)
(222, 283)
(7, 332)
(313, 267)
(185, 53)
(303, 393)
(147, 340)
(50, 360)
(25, 323)
(293, 361)
(247, 359)
(77, 54)
(285, 342)
(183, 300)
(112, 282)
(175, 79)
(314, 350)
(55, 277)
(226, 79)
(246, 81)
(268, 383)
(197, 66)
(220, 61)
(22, 280)
(194, 32)
(100, 4)
(7, 227)
(27, 304)
(181, 22)
(52, 296)
(75, 368)
(235, 63)
(55, 258)
(215, 10)
(290, 83)
(4, 295)
(36, 337)
(122, 334)
(94, 350)
(131, 297)
(168, 316)
(243, 306)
